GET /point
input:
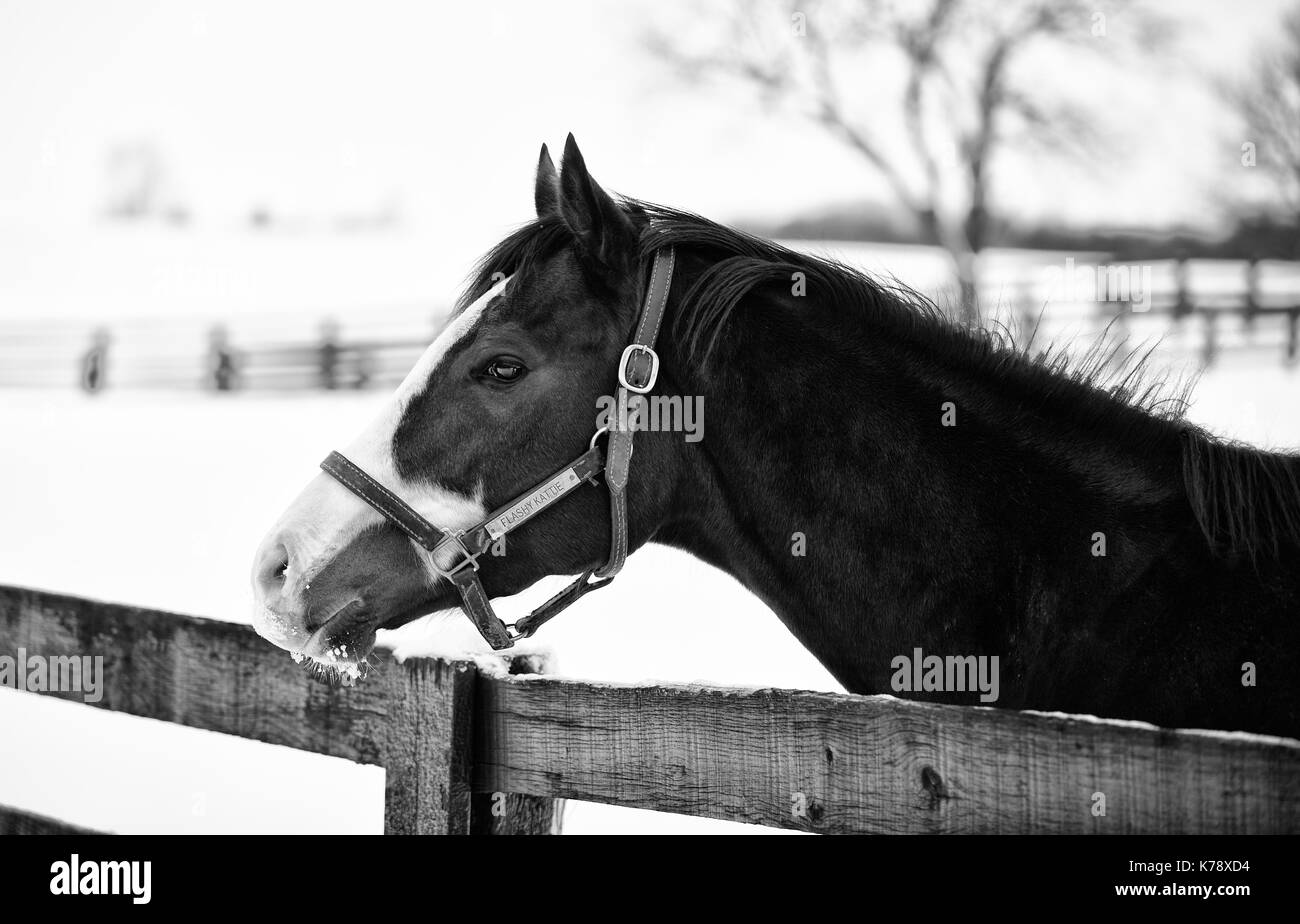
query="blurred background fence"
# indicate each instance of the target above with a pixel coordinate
(291, 351)
(1193, 312)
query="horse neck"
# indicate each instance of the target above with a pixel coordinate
(879, 495)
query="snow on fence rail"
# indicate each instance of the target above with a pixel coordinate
(451, 735)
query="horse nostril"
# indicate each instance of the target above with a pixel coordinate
(271, 570)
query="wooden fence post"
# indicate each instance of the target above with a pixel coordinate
(1210, 350)
(428, 757)
(427, 749)
(1184, 304)
(513, 813)
(1252, 289)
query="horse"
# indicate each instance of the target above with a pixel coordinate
(886, 480)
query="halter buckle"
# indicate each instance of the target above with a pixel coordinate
(631, 350)
(470, 558)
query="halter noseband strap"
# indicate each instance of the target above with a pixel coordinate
(638, 370)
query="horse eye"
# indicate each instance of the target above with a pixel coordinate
(505, 369)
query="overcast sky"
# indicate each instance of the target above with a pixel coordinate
(335, 105)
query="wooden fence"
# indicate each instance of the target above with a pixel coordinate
(451, 735)
(375, 346)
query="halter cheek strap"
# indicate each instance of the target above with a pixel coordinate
(638, 370)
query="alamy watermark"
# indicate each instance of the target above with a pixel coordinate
(60, 674)
(922, 673)
(76, 876)
(1086, 282)
(653, 413)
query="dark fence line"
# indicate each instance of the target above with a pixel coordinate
(1213, 319)
(62, 354)
(469, 748)
(327, 364)
(357, 349)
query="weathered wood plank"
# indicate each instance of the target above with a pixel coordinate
(514, 813)
(427, 751)
(854, 764)
(412, 719)
(17, 821)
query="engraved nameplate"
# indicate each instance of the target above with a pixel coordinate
(539, 500)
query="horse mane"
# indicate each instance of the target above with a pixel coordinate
(1245, 500)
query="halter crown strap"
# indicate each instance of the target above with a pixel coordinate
(638, 370)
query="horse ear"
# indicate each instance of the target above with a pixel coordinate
(606, 237)
(546, 192)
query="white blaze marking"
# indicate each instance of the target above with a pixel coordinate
(327, 516)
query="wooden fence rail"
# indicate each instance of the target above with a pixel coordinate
(414, 721)
(450, 735)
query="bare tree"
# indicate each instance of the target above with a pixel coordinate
(1268, 100)
(959, 91)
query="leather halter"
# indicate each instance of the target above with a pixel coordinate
(637, 371)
